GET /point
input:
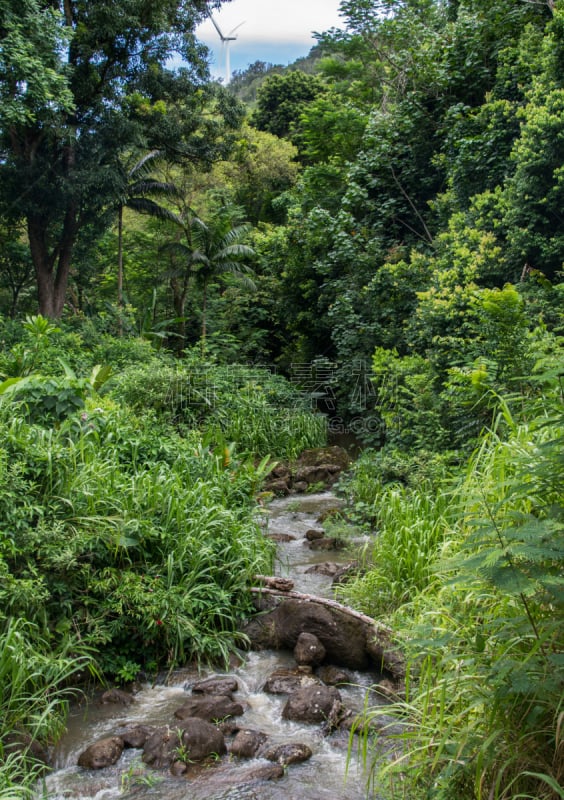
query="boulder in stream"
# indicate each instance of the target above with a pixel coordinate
(312, 704)
(328, 568)
(117, 697)
(286, 681)
(102, 753)
(309, 650)
(333, 676)
(209, 707)
(351, 640)
(343, 636)
(136, 736)
(194, 741)
(327, 543)
(247, 743)
(216, 684)
(292, 753)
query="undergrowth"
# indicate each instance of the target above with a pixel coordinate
(471, 574)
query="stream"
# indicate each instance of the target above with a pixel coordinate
(330, 773)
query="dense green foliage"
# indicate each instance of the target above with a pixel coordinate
(129, 533)
(383, 225)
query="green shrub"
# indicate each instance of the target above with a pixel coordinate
(484, 637)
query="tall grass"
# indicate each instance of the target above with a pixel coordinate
(484, 705)
(148, 557)
(34, 695)
(410, 528)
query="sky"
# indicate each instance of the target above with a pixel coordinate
(275, 31)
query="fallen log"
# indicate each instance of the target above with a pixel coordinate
(322, 601)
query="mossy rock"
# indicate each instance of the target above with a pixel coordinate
(320, 456)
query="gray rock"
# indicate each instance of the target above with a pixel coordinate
(313, 704)
(218, 684)
(328, 568)
(281, 537)
(195, 740)
(333, 676)
(209, 707)
(286, 754)
(286, 681)
(136, 736)
(327, 543)
(343, 636)
(308, 649)
(247, 743)
(117, 697)
(102, 753)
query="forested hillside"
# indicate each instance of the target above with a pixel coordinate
(195, 279)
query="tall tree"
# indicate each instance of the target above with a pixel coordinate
(212, 250)
(83, 84)
(141, 188)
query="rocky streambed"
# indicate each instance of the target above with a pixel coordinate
(276, 725)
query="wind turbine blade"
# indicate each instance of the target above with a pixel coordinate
(216, 26)
(236, 28)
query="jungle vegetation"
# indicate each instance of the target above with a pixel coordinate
(196, 279)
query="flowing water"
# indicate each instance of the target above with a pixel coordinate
(331, 773)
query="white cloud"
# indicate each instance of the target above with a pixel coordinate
(290, 21)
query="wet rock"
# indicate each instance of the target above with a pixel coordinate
(312, 704)
(281, 537)
(333, 676)
(334, 455)
(281, 471)
(228, 727)
(194, 741)
(117, 697)
(343, 636)
(328, 568)
(136, 736)
(217, 684)
(314, 534)
(286, 754)
(178, 768)
(286, 681)
(324, 473)
(280, 486)
(326, 544)
(102, 753)
(247, 743)
(209, 707)
(308, 649)
(22, 743)
(300, 487)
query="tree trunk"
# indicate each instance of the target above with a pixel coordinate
(179, 304)
(52, 266)
(51, 282)
(120, 270)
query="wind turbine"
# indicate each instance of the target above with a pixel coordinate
(225, 42)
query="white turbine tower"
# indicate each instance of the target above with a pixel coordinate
(225, 43)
